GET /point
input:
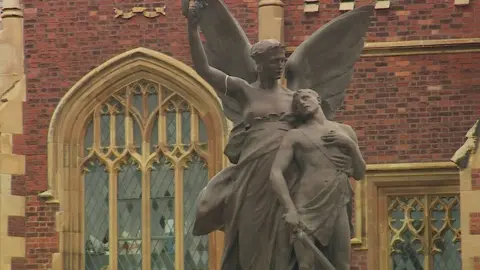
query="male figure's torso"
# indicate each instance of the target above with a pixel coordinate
(317, 171)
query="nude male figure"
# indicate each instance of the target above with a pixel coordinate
(318, 206)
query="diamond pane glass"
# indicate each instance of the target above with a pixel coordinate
(152, 97)
(171, 127)
(154, 134)
(137, 137)
(196, 248)
(186, 128)
(105, 131)
(406, 224)
(202, 131)
(445, 220)
(202, 135)
(137, 98)
(120, 132)
(414, 217)
(129, 217)
(162, 190)
(96, 190)
(88, 140)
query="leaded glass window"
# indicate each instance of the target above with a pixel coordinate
(424, 232)
(145, 159)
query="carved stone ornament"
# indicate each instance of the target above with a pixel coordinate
(462, 156)
(143, 10)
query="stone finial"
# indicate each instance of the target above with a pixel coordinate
(462, 157)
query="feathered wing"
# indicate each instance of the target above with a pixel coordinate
(325, 61)
(227, 49)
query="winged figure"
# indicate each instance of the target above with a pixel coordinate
(323, 62)
(239, 199)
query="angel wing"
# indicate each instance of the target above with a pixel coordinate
(227, 48)
(325, 61)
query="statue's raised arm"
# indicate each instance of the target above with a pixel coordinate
(227, 48)
(325, 61)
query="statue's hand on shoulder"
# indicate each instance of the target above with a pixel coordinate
(338, 139)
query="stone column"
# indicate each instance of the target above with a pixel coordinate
(270, 20)
(467, 159)
(12, 96)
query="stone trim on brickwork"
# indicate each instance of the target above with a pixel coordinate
(461, 2)
(12, 96)
(417, 47)
(382, 4)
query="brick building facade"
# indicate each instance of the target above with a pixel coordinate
(414, 95)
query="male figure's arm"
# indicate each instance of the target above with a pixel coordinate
(282, 160)
(358, 163)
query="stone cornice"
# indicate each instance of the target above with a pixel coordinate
(417, 47)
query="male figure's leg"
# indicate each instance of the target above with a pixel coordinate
(340, 242)
(350, 217)
(305, 256)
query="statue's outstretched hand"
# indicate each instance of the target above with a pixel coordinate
(194, 8)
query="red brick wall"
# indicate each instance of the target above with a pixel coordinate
(476, 263)
(413, 108)
(359, 260)
(19, 264)
(16, 226)
(405, 109)
(404, 20)
(475, 223)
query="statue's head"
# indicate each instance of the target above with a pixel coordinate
(269, 55)
(306, 103)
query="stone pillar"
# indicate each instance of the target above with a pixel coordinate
(467, 159)
(12, 96)
(270, 20)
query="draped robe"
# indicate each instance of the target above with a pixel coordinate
(241, 202)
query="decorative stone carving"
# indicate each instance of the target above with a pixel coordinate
(140, 10)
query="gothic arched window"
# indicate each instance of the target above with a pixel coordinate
(130, 146)
(145, 159)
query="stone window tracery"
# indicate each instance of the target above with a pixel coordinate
(145, 159)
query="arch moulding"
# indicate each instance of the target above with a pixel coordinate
(66, 125)
(97, 85)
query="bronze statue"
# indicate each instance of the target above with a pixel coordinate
(320, 148)
(240, 199)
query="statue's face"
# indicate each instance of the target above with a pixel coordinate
(273, 65)
(306, 103)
